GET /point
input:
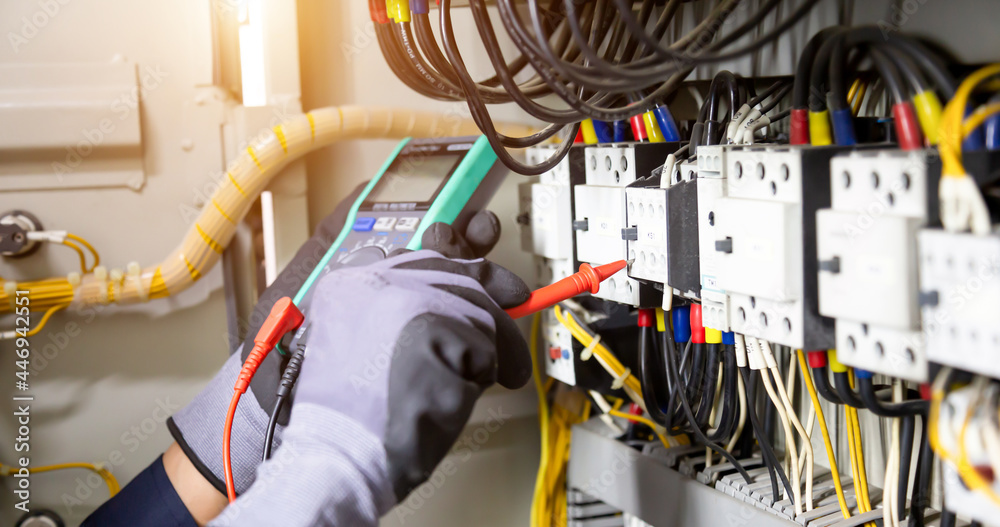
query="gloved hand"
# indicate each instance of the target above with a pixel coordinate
(398, 354)
(197, 427)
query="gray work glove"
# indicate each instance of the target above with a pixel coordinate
(197, 428)
(398, 354)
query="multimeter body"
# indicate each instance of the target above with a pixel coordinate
(424, 181)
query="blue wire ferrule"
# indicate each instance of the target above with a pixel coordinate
(863, 374)
(420, 7)
(682, 323)
(843, 127)
(667, 124)
(603, 132)
(728, 338)
(620, 131)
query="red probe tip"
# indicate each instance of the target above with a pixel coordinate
(607, 270)
(588, 279)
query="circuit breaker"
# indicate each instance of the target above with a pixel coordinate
(545, 214)
(600, 218)
(711, 178)
(867, 253)
(765, 242)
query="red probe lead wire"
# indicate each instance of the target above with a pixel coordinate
(588, 279)
(284, 317)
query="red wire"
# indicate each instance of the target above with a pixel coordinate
(227, 434)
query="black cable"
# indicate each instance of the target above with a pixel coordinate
(480, 115)
(288, 378)
(882, 409)
(730, 396)
(709, 382)
(947, 518)
(842, 383)
(770, 459)
(822, 382)
(906, 436)
(651, 372)
(920, 498)
(672, 371)
(767, 93)
(778, 97)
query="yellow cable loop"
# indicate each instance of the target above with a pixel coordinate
(827, 443)
(951, 121)
(642, 420)
(106, 475)
(79, 253)
(85, 243)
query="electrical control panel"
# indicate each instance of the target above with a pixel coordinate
(867, 254)
(765, 242)
(960, 299)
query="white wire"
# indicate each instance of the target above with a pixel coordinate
(790, 447)
(793, 417)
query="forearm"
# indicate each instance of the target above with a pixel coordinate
(201, 498)
(332, 474)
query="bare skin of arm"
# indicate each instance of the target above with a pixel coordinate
(202, 500)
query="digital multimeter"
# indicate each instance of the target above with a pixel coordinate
(424, 181)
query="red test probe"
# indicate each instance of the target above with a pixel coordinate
(588, 279)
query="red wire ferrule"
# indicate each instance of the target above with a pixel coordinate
(697, 329)
(907, 126)
(638, 127)
(646, 318)
(377, 11)
(799, 133)
(817, 359)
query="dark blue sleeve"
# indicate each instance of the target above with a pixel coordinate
(148, 500)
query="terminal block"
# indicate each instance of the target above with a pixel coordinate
(765, 242)
(600, 222)
(867, 253)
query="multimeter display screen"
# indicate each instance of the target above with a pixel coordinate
(414, 179)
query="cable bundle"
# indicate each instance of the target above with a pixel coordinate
(605, 60)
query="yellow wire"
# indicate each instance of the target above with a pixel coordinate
(85, 243)
(951, 121)
(45, 320)
(642, 420)
(976, 119)
(538, 503)
(79, 253)
(854, 436)
(834, 471)
(105, 474)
